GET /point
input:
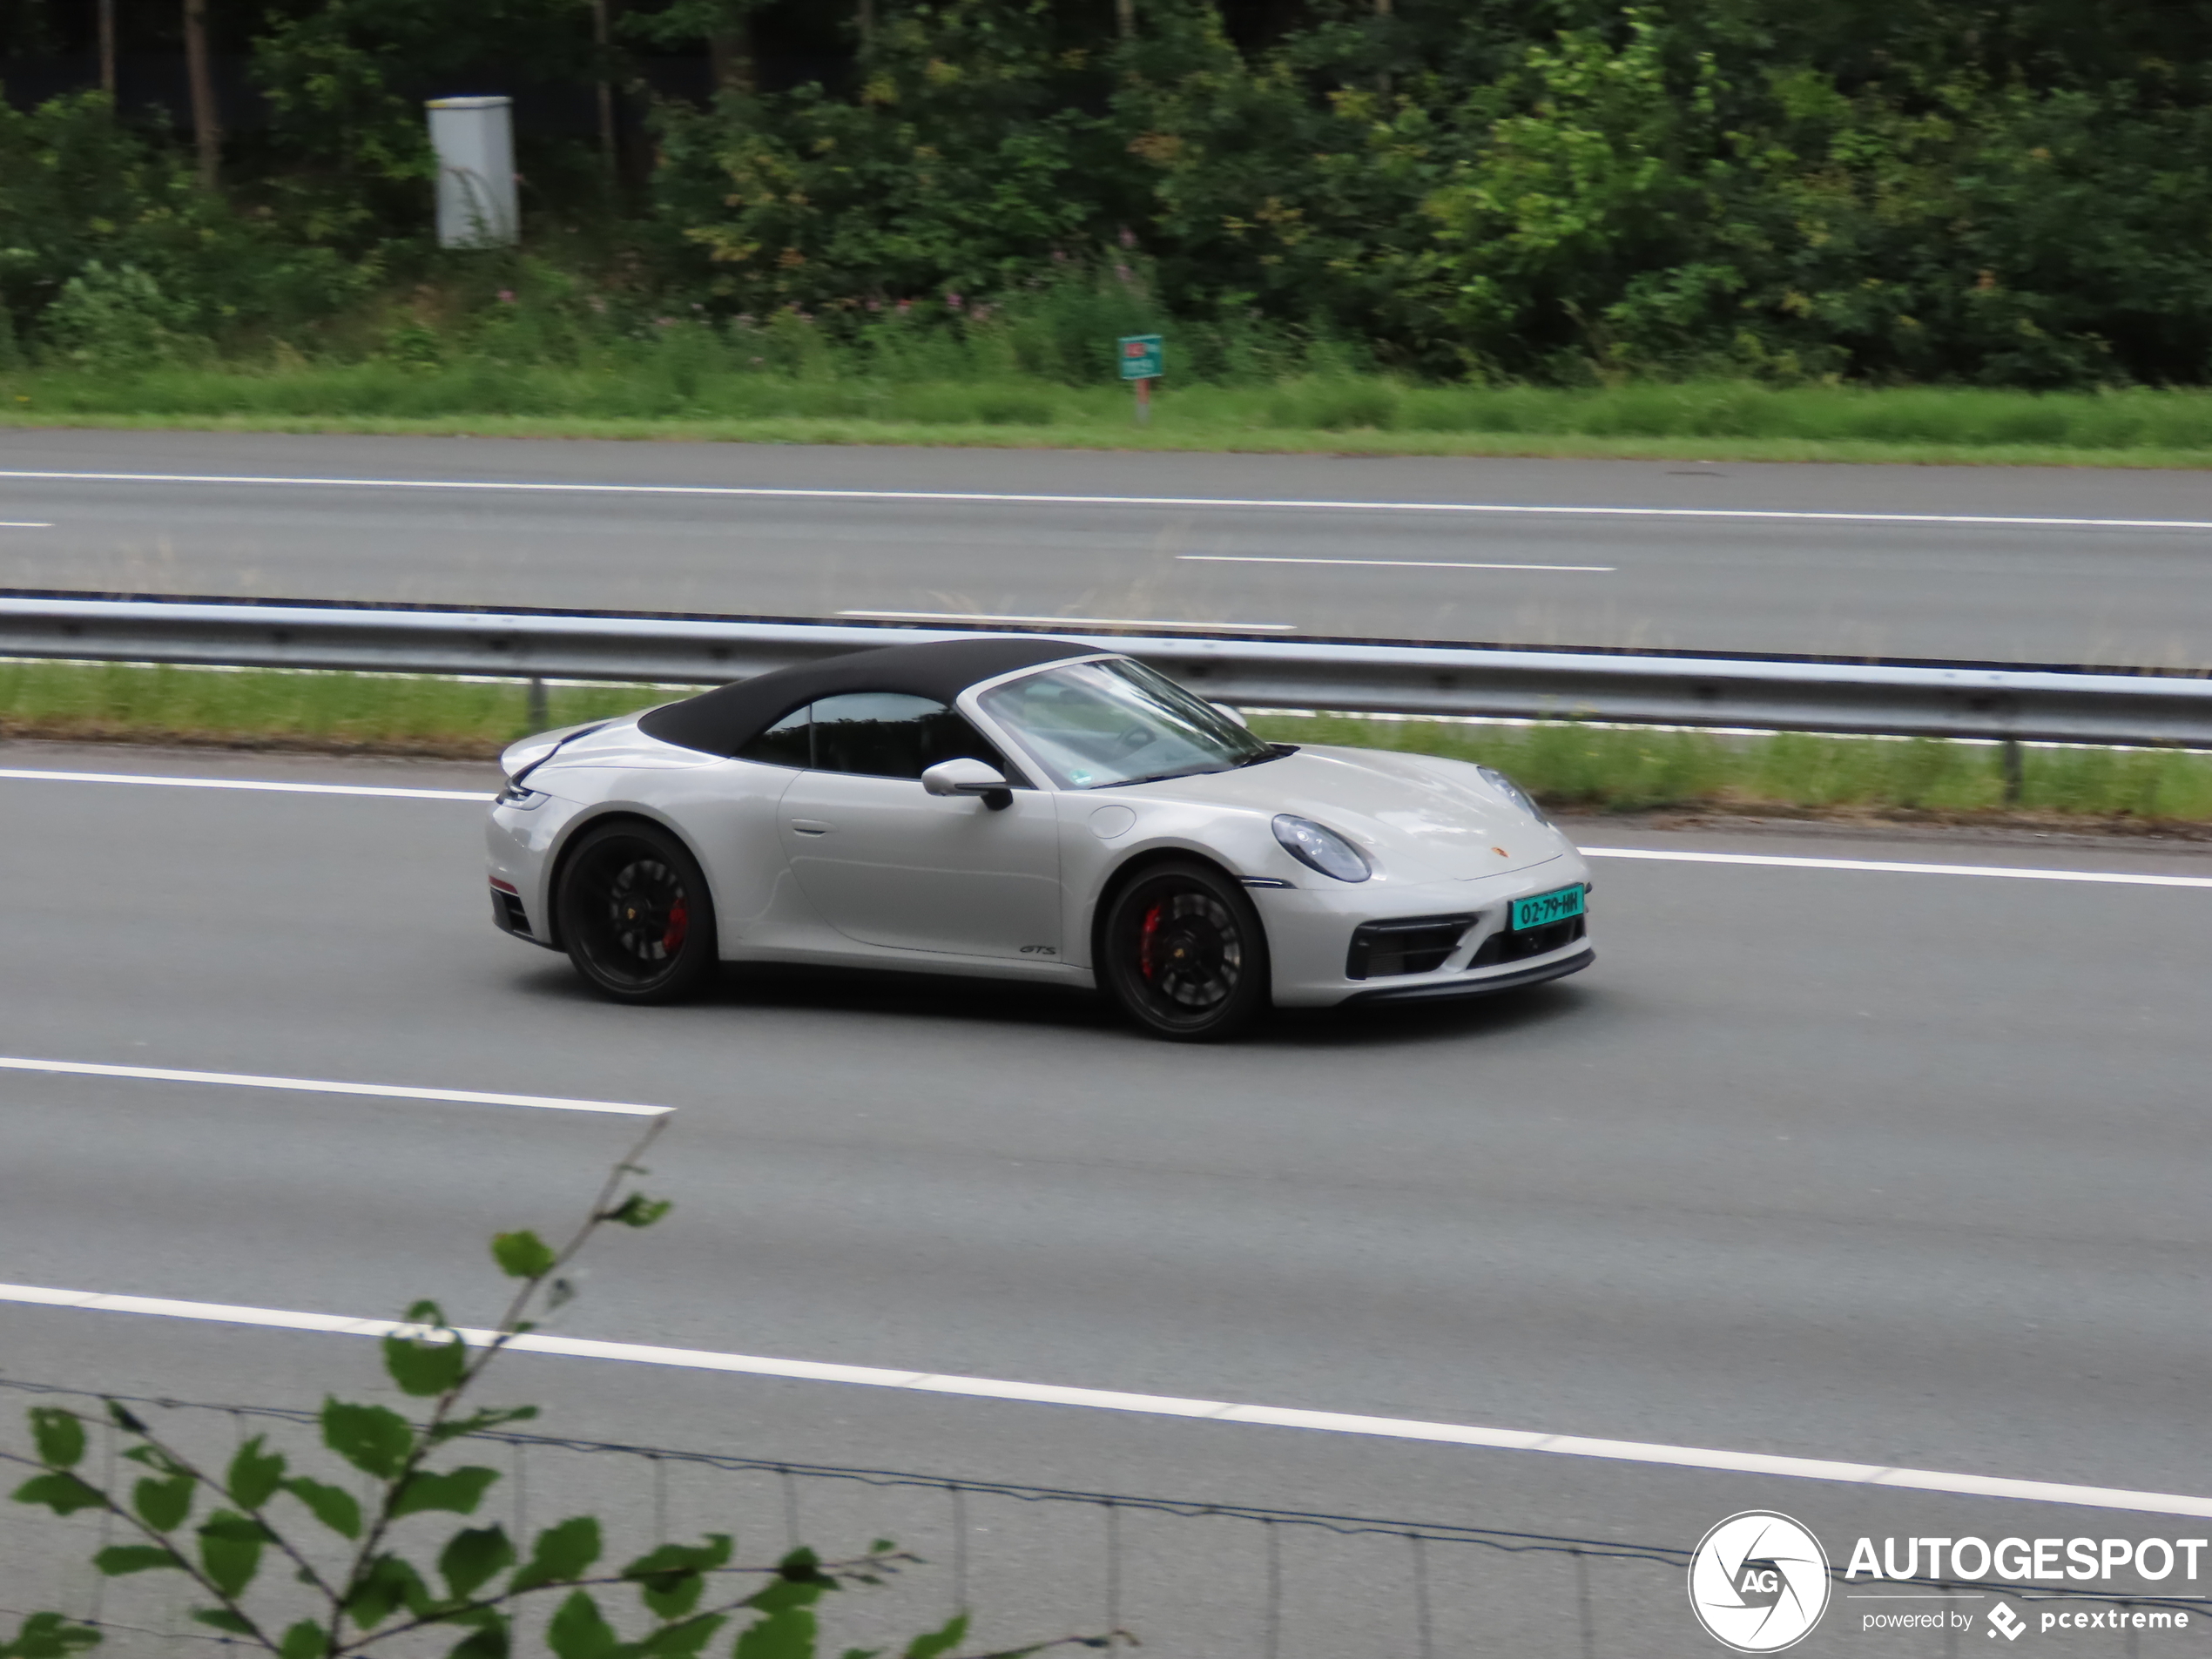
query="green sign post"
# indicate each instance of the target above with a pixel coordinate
(1142, 357)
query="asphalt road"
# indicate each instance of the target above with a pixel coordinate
(1898, 1169)
(1823, 565)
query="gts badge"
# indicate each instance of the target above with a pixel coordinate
(1039, 950)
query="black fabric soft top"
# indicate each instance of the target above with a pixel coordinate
(723, 721)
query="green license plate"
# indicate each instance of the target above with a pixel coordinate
(1541, 910)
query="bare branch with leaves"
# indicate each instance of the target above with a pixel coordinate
(353, 1589)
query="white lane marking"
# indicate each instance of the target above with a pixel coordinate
(1076, 621)
(6, 526)
(2115, 878)
(241, 783)
(314, 1086)
(1014, 498)
(1687, 1457)
(1395, 564)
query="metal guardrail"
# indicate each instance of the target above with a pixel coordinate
(1810, 694)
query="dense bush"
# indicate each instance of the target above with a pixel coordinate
(106, 242)
(2005, 192)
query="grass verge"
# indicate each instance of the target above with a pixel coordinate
(463, 720)
(1347, 414)
(1617, 769)
(1573, 766)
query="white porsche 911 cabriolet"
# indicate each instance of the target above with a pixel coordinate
(1030, 807)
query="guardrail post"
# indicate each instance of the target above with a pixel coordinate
(2014, 774)
(538, 715)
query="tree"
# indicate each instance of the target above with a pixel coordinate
(206, 120)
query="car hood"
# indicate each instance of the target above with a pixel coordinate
(1420, 814)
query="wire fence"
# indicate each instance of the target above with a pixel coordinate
(1190, 1579)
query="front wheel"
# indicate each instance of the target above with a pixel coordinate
(635, 914)
(1182, 951)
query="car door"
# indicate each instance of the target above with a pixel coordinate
(888, 863)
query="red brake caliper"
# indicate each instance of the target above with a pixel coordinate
(678, 919)
(1144, 941)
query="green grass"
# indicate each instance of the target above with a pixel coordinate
(667, 395)
(366, 713)
(1581, 767)
(1627, 769)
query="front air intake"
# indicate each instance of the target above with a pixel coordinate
(1536, 941)
(1409, 945)
(508, 913)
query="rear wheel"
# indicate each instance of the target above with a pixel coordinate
(635, 914)
(1184, 953)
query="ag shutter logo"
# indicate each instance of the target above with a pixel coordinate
(1758, 1582)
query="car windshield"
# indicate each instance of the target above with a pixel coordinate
(1093, 724)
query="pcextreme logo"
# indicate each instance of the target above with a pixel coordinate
(1758, 1582)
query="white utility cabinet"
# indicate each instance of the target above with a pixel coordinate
(474, 140)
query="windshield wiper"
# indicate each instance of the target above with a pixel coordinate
(1273, 752)
(1162, 777)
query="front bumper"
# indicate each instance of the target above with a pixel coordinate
(518, 842)
(1319, 938)
(1557, 966)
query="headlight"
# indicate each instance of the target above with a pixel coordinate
(1514, 793)
(1320, 849)
(521, 798)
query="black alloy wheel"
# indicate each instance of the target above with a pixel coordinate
(635, 914)
(1182, 951)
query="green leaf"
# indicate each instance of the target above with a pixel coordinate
(638, 1211)
(936, 1643)
(490, 1641)
(62, 1494)
(799, 1582)
(577, 1631)
(522, 1255)
(306, 1639)
(787, 1634)
(388, 1585)
(682, 1640)
(163, 1505)
(122, 1419)
(561, 1552)
(59, 1436)
(256, 1476)
(223, 1619)
(479, 1422)
(333, 1505)
(374, 1439)
(49, 1635)
(230, 1549)
(118, 1559)
(470, 1559)
(456, 1492)
(427, 1364)
(787, 1627)
(670, 1579)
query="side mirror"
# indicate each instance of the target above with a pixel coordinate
(1237, 715)
(967, 776)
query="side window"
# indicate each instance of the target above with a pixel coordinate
(889, 734)
(787, 742)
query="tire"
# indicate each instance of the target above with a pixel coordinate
(635, 915)
(1182, 952)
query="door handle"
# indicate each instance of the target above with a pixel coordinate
(810, 826)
